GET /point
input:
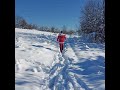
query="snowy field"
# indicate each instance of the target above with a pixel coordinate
(39, 65)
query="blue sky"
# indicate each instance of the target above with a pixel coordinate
(50, 12)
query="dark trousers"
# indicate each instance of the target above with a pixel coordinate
(61, 47)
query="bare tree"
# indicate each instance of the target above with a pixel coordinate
(52, 29)
(23, 24)
(64, 29)
(18, 20)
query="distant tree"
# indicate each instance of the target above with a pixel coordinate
(41, 28)
(57, 30)
(23, 24)
(29, 26)
(18, 20)
(71, 32)
(64, 29)
(34, 26)
(52, 29)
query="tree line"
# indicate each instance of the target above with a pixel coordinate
(20, 22)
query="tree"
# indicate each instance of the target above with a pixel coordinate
(52, 29)
(64, 29)
(18, 20)
(34, 26)
(29, 26)
(92, 21)
(23, 24)
(71, 32)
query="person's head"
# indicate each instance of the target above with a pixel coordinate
(61, 31)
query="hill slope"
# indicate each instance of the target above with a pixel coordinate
(40, 66)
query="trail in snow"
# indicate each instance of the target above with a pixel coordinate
(61, 77)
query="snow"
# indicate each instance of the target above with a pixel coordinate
(39, 65)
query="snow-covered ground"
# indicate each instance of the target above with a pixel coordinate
(40, 66)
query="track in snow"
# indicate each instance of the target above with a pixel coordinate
(61, 78)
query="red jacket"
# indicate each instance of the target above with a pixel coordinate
(61, 38)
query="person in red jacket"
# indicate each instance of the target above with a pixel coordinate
(61, 39)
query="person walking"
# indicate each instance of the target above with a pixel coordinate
(61, 39)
